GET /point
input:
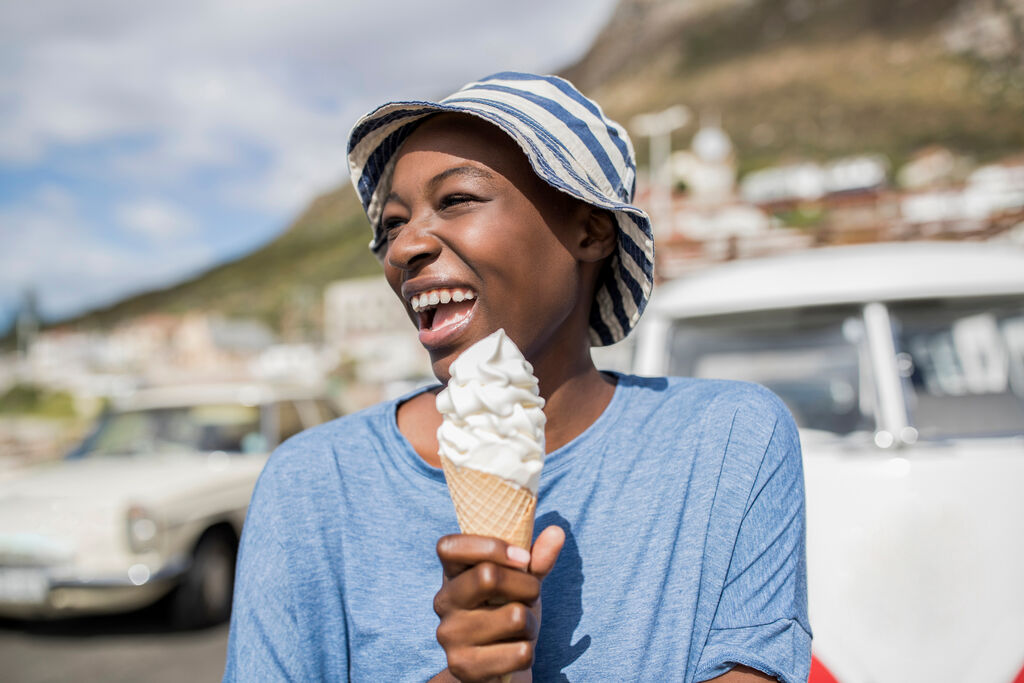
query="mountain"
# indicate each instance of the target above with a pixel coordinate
(326, 242)
(785, 78)
(820, 78)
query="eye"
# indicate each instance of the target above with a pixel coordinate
(390, 225)
(454, 199)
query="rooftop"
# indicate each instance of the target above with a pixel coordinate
(844, 275)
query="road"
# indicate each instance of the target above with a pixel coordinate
(135, 648)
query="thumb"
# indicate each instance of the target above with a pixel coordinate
(545, 551)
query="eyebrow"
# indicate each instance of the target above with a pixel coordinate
(433, 183)
(469, 171)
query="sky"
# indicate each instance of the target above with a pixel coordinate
(142, 142)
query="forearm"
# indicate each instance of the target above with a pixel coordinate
(444, 677)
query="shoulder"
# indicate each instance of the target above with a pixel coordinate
(727, 427)
(747, 406)
(305, 476)
(321, 450)
(737, 421)
(713, 400)
(756, 439)
(758, 423)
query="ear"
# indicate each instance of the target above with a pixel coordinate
(597, 237)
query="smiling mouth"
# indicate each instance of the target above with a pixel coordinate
(438, 309)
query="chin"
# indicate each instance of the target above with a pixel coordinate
(441, 367)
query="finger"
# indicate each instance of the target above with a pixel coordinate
(545, 551)
(487, 583)
(514, 621)
(477, 663)
(458, 552)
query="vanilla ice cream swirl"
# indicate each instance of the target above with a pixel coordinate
(493, 413)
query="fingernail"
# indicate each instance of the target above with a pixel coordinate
(518, 555)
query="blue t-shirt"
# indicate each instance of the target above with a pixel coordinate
(683, 508)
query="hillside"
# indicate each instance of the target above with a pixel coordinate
(820, 78)
(786, 78)
(326, 242)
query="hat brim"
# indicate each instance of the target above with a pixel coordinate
(627, 278)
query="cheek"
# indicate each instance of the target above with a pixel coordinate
(394, 279)
(548, 283)
(526, 258)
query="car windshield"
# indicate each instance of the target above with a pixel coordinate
(963, 365)
(814, 359)
(230, 428)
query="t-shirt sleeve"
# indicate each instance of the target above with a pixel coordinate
(266, 638)
(761, 619)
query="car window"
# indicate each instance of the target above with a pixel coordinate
(813, 359)
(289, 421)
(963, 365)
(195, 428)
(326, 409)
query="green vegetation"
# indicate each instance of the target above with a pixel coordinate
(28, 399)
(803, 216)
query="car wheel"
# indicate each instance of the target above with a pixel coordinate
(204, 595)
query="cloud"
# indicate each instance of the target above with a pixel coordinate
(48, 245)
(209, 79)
(246, 104)
(156, 219)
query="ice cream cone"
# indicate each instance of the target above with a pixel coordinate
(489, 505)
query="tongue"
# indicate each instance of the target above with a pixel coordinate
(449, 314)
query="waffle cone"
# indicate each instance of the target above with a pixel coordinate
(488, 505)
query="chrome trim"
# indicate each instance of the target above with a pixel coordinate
(892, 406)
(171, 570)
(651, 355)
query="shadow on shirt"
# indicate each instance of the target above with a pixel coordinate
(562, 608)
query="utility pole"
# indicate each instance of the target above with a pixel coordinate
(658, 128)
(27, 323)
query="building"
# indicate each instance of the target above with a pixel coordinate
(367, 329)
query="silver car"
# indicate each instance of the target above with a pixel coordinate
(150, 505)
(903, 365)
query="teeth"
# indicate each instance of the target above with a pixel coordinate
(439, 296)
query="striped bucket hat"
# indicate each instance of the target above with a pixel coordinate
(570, 144)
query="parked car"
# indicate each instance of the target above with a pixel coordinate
(151, 504)
(903, 365)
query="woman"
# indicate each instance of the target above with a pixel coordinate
(670, 510)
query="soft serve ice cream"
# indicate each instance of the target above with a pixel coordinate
(493, 417)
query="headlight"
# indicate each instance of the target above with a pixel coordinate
(143, 529)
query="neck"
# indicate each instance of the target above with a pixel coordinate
(575, 395)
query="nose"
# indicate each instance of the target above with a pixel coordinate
(414, 246)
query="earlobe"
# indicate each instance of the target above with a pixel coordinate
(598, 240)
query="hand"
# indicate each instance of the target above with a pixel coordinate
(489, 603)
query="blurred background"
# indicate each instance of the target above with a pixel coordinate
(184, 278)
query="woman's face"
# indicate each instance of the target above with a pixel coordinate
(476, 242)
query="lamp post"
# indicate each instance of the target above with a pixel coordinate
(658, 128)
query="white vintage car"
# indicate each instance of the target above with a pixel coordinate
(903, 364)
(151, 504)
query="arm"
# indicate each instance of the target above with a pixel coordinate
(489, 604)
(761, 617)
